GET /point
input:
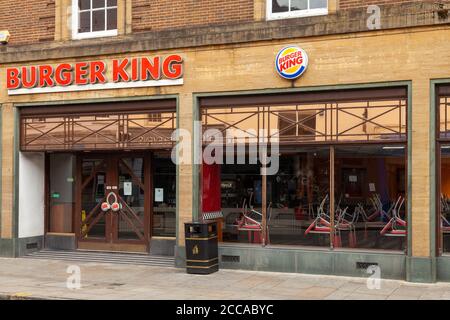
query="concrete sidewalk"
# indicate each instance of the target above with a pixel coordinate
(46, 279)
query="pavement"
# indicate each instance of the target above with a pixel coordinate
(47, 279)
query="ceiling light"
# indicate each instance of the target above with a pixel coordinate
(393, 148)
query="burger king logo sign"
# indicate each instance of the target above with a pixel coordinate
(291, 62)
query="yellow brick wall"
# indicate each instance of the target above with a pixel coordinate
(417, 55)
(7, 170)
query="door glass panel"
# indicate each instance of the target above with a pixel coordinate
(93, 220)
(62, 188)
(132, 197)
(164, 195)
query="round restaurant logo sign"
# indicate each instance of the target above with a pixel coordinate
(291, 62)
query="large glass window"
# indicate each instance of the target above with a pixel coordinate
(280, 9)
(241, 203)
(370, 197)
(443, 147)
(299, 200)
(94, 18)
(445, 198)
(341, 175)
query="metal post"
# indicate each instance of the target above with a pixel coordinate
(264, 201)
(332, 209)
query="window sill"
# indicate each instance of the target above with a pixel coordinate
(311, 248)
(93, 35)
(291, 15)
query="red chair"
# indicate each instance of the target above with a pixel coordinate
(346, 222)
(445, 225)
(321, 224)
(396, 227)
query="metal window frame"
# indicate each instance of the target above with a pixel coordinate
(326, 92)
(441, 91)
(76, 35)
(294, 14)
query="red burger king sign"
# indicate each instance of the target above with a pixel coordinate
(94, 75)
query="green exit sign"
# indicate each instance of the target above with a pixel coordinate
(56, 195)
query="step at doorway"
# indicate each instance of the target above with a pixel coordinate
(103, 257)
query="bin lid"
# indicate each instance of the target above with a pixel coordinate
(200, 222)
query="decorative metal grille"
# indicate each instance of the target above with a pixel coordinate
(369, 120)
(97, 132)
(444, 117)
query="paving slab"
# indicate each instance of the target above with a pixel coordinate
(47, 279)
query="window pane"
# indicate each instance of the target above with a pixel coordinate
(445, 198)
(299, 194)
(112, 3)
(98, 20)
(112, 19)
(444, 116)
(370, 189)
(299, 5)
(92, 194)
(62, 192)
(280, 6)
(164, 208)
(84, 4)
(129, 225)
(85, 22)
(98, 4)
(318, 4)
(297, 199)
(239, 189)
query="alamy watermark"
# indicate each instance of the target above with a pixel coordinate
(74, 280)
(231, 146)
(374, 280)
(374, 20)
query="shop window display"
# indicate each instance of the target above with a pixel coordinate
(370, 184)
(297, 195)
(443, 147)
(369, 199)
(341, 180)
(241, 195)
(445, 198)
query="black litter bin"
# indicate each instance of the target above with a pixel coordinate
(202, 254)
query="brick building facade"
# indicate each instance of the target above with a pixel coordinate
(34, 21)
(91, 92)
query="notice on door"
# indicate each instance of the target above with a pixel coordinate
(159, 195)
(128, 188)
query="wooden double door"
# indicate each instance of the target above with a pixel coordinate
(114, 202)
